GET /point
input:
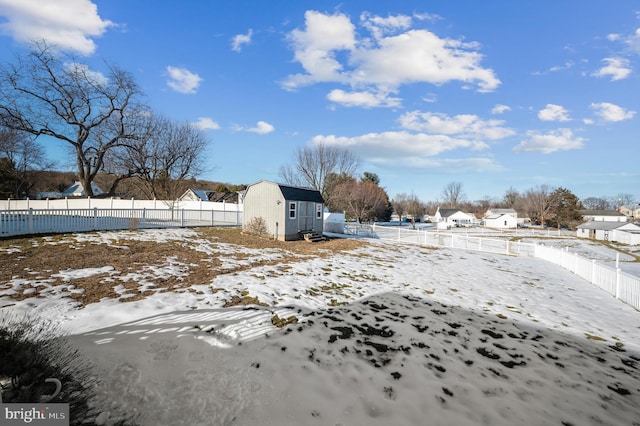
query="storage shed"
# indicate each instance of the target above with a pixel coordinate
(289, 212)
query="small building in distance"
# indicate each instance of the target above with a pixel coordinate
(286, 212)
(602, 216)
(620, 232)
(209, 195)
(452, 218)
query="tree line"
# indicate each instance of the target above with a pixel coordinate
(334, 172)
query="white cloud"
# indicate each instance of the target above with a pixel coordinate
(329, 51)
(558, 140)
(182, 80)
(379, 26)
(633, 41)
(500, 109)
(240, 40)
(394, 144)
(66, 24)
(315, 48)
(463, 125)
(206, 123)
(363, 99)
(611, 112)
(617, 68)
(83, 70)
(553, 112)
(262, 128)
(410, 150)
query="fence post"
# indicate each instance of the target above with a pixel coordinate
(212, 215)
(593, 271)
(398, 233)
(507, 247)
(575, 264)
(95, 218)
(617, 283)
(182, 218)
(31, 221)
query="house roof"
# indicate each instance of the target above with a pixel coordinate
(604, 225)
(502, 211)
(600, 213)
(202, 194)
(77, 190)
(448, 212)
(300, 194)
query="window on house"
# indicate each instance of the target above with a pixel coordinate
(318, 211)
(292, 210)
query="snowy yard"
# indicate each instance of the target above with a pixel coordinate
(377, 334)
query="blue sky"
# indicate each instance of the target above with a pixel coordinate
(492, 94)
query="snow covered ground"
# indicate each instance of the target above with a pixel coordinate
(385, 334)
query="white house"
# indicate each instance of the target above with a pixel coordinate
(631, 214)
(621, 232)
(493, 212)
(602, 216)
(77, 190)
(447, 218)
(501, 221)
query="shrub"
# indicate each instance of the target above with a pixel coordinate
(256, 226)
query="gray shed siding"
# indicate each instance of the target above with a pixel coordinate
(274, 203)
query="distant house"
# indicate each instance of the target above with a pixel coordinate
(622, 232)
(288, 212)
(77, 190)
(602, 216)
(501, 221)
(631, 214)
(447, 218)
(510, 212)
(208, 195)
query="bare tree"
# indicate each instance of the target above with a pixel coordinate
(540, 203)
(163, 159)
(453, 195)
(511, 197)
(22, 157)
(362, 200)
(46, 94)
(415, 208)
(596, 203)
(313, 165)
(400, 205)
(625, 199)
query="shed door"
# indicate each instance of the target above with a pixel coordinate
(306, 210)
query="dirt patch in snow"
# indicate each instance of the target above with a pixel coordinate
(73, 265)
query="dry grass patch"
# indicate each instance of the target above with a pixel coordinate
(135, 263)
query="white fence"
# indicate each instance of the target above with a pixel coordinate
(114, 203)
(40, 221)
(442, 239)
(623, 286)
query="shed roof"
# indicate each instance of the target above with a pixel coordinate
(295, 193)
(603, 225)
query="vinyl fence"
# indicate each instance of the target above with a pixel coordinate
(41, 221)
(623, 286)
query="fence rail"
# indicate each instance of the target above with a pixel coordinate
(623, 286)
(40, 221)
